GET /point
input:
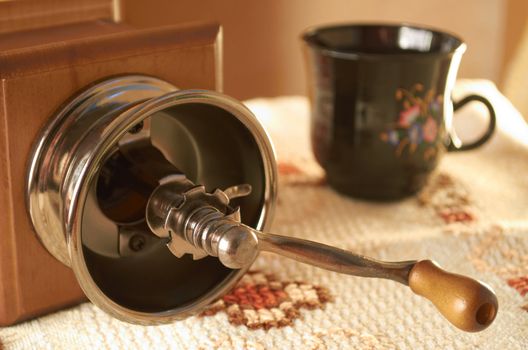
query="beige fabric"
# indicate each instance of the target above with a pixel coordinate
(365, 313)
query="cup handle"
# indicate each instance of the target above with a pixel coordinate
(457, 145)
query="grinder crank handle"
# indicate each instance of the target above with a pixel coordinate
(468, 304)
(197, 222)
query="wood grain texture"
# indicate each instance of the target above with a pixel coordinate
(465, 302)
(25, 15)
(36, 80)
(48, 36)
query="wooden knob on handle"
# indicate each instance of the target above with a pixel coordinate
(468, 304)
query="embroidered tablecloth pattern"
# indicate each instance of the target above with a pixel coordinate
(472, 218)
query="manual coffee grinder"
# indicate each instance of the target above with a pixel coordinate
(159, 200)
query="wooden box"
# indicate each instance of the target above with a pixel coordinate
(39, 71)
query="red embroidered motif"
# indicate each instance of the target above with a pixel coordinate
(260, 301)
(520, 284)
(289, 169)
(455, 215)
(293, 175)
(493, 245)
(449, 199)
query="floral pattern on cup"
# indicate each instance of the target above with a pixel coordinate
(417, 126)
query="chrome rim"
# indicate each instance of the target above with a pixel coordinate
(67, 158)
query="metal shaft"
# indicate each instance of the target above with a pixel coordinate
(202, 224)
(334, 259)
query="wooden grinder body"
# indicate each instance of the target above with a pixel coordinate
(39, 71)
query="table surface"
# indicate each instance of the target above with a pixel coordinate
(472, 218)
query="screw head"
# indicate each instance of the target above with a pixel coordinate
(137, 242)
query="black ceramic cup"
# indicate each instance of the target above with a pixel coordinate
(381, 105)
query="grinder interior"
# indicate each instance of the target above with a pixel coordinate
(130, 265)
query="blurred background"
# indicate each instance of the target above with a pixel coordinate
(262, 49)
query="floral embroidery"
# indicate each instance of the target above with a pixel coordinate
(492, 244)
(416, 128)
(520, 284)
(261, 301)
(298, 176)
(351, 338)
(286, 169)
(449, 199)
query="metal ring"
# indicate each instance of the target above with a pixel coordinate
(70, 150)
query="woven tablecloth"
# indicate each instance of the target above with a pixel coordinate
(472, 218)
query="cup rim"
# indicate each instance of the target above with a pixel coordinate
(309, 34)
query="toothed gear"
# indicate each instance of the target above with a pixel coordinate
(179, 210)
(194, 200)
